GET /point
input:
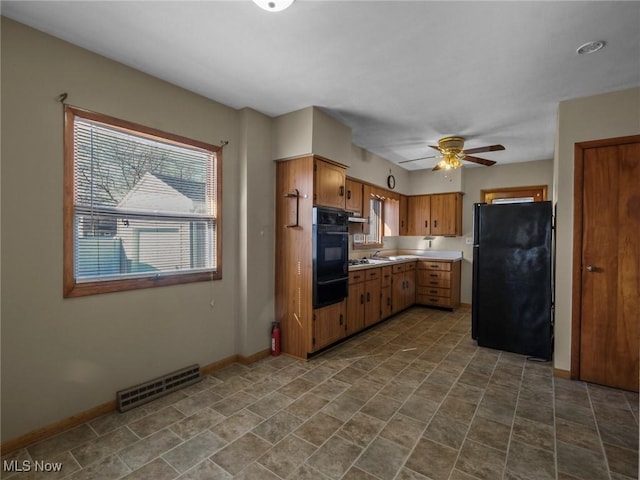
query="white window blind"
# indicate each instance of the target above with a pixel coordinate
(143, 206)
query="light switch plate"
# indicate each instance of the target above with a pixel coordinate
(468, 240)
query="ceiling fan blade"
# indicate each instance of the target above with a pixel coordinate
(490, 148)
(416, 159)
(437, 167)
(481, 161)
(434, 147)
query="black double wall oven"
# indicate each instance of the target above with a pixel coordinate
(330, 256)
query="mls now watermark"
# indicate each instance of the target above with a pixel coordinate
(31, 466)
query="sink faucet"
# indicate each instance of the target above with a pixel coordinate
(375, 254)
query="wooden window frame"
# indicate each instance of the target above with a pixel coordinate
(72, 288)
(487, 195)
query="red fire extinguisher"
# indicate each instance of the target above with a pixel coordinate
(275, 339)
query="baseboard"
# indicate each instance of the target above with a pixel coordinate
(255, 357)
(56, 428)
(60, 426)
(225, 362)
(557, 372)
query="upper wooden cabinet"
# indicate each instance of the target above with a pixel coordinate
(437, 215)
(403, 219)
(419, 215)
(353, 200)
(446, 214)
(328, 184)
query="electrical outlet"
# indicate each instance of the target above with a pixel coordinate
(468, 240)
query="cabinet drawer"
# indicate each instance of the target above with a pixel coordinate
(436, 282)
(386, 273)
(433, 300)
(356, 277)
(399, 268)
(444, 266)
(428, 277)
(372, 273)
(431, 291)
(409, 266)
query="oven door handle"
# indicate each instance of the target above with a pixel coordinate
(335, 233)
(335, 280)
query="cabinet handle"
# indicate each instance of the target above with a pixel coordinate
(435, 223)
(426, 224)
(388, 301)
(433, 283)
(433, 274)
(342, 190)
(361, 299)
(433, 291)
(340, 319)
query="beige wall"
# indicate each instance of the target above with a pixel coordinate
(63, 356)
(609, 115)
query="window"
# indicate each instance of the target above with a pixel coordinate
(537, 193)
(141, 207)
(375, 225)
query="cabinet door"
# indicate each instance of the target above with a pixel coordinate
(328, 184)
(391, 217)
(409, 296)
(328, 325)
(385, 302)
(419, 212)
(353, 200)
(355, 308)
(446, 214)
(397, 292)
(372, 302)
(403, 221)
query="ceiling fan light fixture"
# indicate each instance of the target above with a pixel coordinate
(449, 162)
(273, 5)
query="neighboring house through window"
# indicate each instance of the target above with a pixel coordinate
(142, 207)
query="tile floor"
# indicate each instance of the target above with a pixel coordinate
(413, 398)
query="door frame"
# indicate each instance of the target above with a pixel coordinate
(578, 182)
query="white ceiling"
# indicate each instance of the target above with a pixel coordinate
(400, 74)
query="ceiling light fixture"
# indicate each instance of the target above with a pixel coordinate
(450, 161)
(273, 5)
(590, 47)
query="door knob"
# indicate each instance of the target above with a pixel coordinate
(591, 268)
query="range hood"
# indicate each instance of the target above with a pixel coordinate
(355, 219)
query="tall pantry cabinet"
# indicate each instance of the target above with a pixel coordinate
(302, 183)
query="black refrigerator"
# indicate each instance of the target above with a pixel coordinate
(512, 300)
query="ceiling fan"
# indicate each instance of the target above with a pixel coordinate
(451, 153)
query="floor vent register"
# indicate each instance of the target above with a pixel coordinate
(145, 392)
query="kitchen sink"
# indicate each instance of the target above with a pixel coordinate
(378, 260)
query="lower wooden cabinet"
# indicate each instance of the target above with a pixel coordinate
(372, 297)
(376, 293)
(386, 305)
(438, 284)
(329, 324)
(403, 293)
(355, 302)
(363, 303)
